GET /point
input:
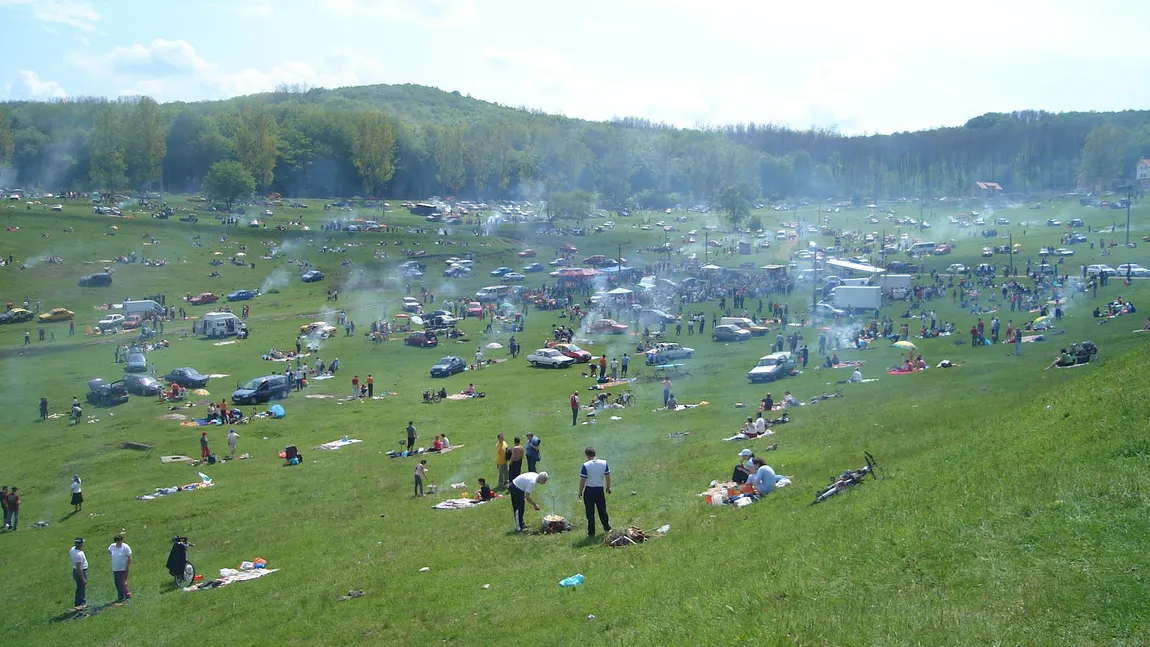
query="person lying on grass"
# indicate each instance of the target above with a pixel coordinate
(1064, 359)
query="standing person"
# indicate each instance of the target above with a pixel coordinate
(77, 494)
(411, 437)
(4, 504)
(1018, 342)
(666, 390)
(574, 408)
(479, 355)
(370, 386)
(71, 328)
(28, 336)
(79, 572)
(532, 451)
(43, 408)
(614, 369)
(121, 555)
(420, 474)
(515, 463)
(502, 454)
(594, 485)
(626, 361)
(13, 508)
(233, 438)
(602, 366)
(521, 488)
(204, 451)
(355, 386)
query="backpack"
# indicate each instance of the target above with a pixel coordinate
(507, 454)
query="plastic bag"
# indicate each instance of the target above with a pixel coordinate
(574, 580)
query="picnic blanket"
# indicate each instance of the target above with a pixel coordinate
(683, 407)
(205, 482)
(851, 364)
(917, 370)
(461, 504)
(225, 343)
(242, 576)
(421, 450)
(610, 385)
(461, 396)
(316, 378)
(286, 359)
(336, 444)
(743, 436)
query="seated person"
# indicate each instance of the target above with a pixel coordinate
(442, 392)
(790, 400)
(856, 376)
(484, 493)
(445, 441)
(470, 390)
(763, 479)
(919, 364)
(1146, 326)
(437, 444)
(672, 403)
(1064, 359)
(760, 425)
(749, 427)
(743, 468)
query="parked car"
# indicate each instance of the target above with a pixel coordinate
(533, 267)
(1134, 270)
(102, 394)
(313, 276)
(440, 321)
(16, 315)
(773, 366)
(187, 377)
(1076, 222)
(412, 305)
(607, 326)
(242, 295)
(956, 268)
(139, 384)
(137, 363)
(825, 311)
(729, 333)
(1053, 223)
(549, 357)
(527, 253)
(97, 280)
(665, 352)
(987, 251)
(512, 277)
(318, 330)
(474, 309)
(1064, 251)
(1096, 270)
(457, 272)
(558, 262)
(262, 389)
(656, 316)
(448, 366)
(132, 322)
(574, 352)
(111, 322)
(500, 271)
(203, 298)
(422, 339)
(57, 314)
(1076, 239)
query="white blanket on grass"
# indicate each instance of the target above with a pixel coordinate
(242, 576)
(336, 444)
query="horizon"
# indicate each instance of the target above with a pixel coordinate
(872, 71)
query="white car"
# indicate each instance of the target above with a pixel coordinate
(110, 321)
(956, 268)
(1134, 269)
(549, 357)
(1064, 251)
(665, 352)
(1095, 270)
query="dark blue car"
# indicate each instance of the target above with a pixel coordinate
(242, 295)
(312, 276)
(448, 366)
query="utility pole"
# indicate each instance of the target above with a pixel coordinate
(1011, 243)
(1129, 201)
(619, 258)
(706, 245)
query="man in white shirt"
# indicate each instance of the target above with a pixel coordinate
(856, 376)
(594, 485)
(121, 554)
(521, 488)
(233, 438)
(79, 572)
(760, 425)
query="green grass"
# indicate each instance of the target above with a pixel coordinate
(1013, 508)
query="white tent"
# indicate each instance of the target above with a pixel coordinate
(711, 267)
(620, 291)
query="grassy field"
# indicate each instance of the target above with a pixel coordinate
(1012, 510)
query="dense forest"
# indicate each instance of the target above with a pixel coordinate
(414, 141)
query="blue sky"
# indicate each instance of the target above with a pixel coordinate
(880, 66)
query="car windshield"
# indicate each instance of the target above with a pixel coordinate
(768, 361)
(254, 384)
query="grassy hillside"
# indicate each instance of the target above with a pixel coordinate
(1011, 510)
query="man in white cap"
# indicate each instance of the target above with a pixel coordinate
(743, 467)
(79, 572)
(521, 488)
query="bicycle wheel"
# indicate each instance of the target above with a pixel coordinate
(436, 398)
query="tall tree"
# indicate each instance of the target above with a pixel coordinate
(147, 144)
(1105, 152)
(373, 152)
(229, 181)
(449, 157)
(108, 170)
(256, 143)
(730, 199)
(7, 143)
(572, 205)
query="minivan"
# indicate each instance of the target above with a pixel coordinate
(262, 389)
(921, 249)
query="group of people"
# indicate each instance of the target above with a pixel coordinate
(120, 556)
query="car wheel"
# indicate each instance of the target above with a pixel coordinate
(534, 364)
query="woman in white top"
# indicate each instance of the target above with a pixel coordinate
(77, 495)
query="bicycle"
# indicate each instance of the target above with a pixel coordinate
(431, 396)
(848, 479)
(626, 398)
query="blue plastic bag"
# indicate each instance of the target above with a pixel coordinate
(574, 580)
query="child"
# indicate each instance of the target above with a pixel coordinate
(484, 493)
(420, 473)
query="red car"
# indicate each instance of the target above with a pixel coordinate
(568, 247)
(573, 351)
(422, 339)
(131, 321)
(202, 299)
(474, 309)
(527, 253)
(608, 326)
(597, 259)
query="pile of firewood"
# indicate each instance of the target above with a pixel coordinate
(629, 537)
(553, 524)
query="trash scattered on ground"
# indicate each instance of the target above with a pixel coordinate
(574, 580)
(678, 434)
(629, 537)
(131, 444)
(355, 593)
(590, 616)
(662, 530)
(486, 586)
(41, 524)
(425, 569)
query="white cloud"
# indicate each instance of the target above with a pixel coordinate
(77, 13)
(29, 86)
(434, 14)
(160, 58)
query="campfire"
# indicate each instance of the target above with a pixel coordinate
(553, 524)
(629, 537)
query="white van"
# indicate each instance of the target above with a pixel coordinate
(492, 293)
(921, 249)
(142, 307)
(221, 324)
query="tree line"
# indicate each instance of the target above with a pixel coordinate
(414, 141)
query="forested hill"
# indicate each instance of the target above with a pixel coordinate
(415, 141)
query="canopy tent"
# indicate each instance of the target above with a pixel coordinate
(858, 267)
(612, 269)
(619, 291)
(711, 266)
(572, 272)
